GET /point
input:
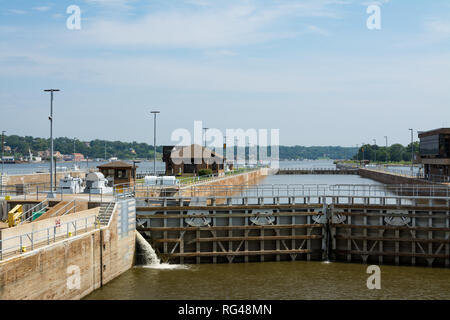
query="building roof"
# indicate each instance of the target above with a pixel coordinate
(433, 132)
(116, 164)
(194, 151)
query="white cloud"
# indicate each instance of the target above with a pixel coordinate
(209, 26)
(124, 4)
(17, 11)
(42, 8)
(438, 27)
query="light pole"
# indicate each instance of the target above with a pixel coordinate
(51, 193)
(3, 153)
(3, 148)
(375, 143)
(362, 146)
(154, 140)
(412, 150)
(387, 151)
(74, 158)
(205, 129)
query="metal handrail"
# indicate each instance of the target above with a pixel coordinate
(55, 213)
(33, 240)
(109, 205)
(31, 209)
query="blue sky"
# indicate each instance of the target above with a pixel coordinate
(309, 68)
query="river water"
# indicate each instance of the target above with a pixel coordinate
(279, 280)
(276, 281)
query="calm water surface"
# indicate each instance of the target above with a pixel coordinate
(277, 281)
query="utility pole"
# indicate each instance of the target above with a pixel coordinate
(362, 146)
(3, 154)
(154, 140)
(205, 129)
(51, 193)
(74, 159)
(412, 151)
(375, 143)
(387, 151)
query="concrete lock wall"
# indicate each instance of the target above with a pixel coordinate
(247, 178)
(74, 267)
(390, 178)
(40, 177)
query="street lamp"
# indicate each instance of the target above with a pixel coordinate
(375, 143)
(154, 140)
(387, 151)
(3, 148)
(412, 150)
(205, 129)
(51, 193)
(362, 146)
(74, 158)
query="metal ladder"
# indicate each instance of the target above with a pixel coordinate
(106, 210)
(2, 184)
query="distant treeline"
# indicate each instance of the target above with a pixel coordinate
(396, 152)
(92, 149)
(130, 150)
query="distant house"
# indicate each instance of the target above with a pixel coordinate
(7, 149)
(189, 160)
(46, 155)
(78, 157)
(118, 172)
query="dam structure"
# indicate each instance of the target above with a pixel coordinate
(370, 224)
(69, 246)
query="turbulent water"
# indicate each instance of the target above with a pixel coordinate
(146, 254)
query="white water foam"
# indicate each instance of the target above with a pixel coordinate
(148, 255)
(165, 266)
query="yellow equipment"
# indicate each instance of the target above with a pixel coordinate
(14, 215)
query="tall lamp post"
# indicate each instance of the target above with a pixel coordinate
(362, 146)
(204, 134)
(387, 151)
(154, 140)
(412, 150)
(74, 158)
(51, 194)
(3, 153)
(375, 143)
